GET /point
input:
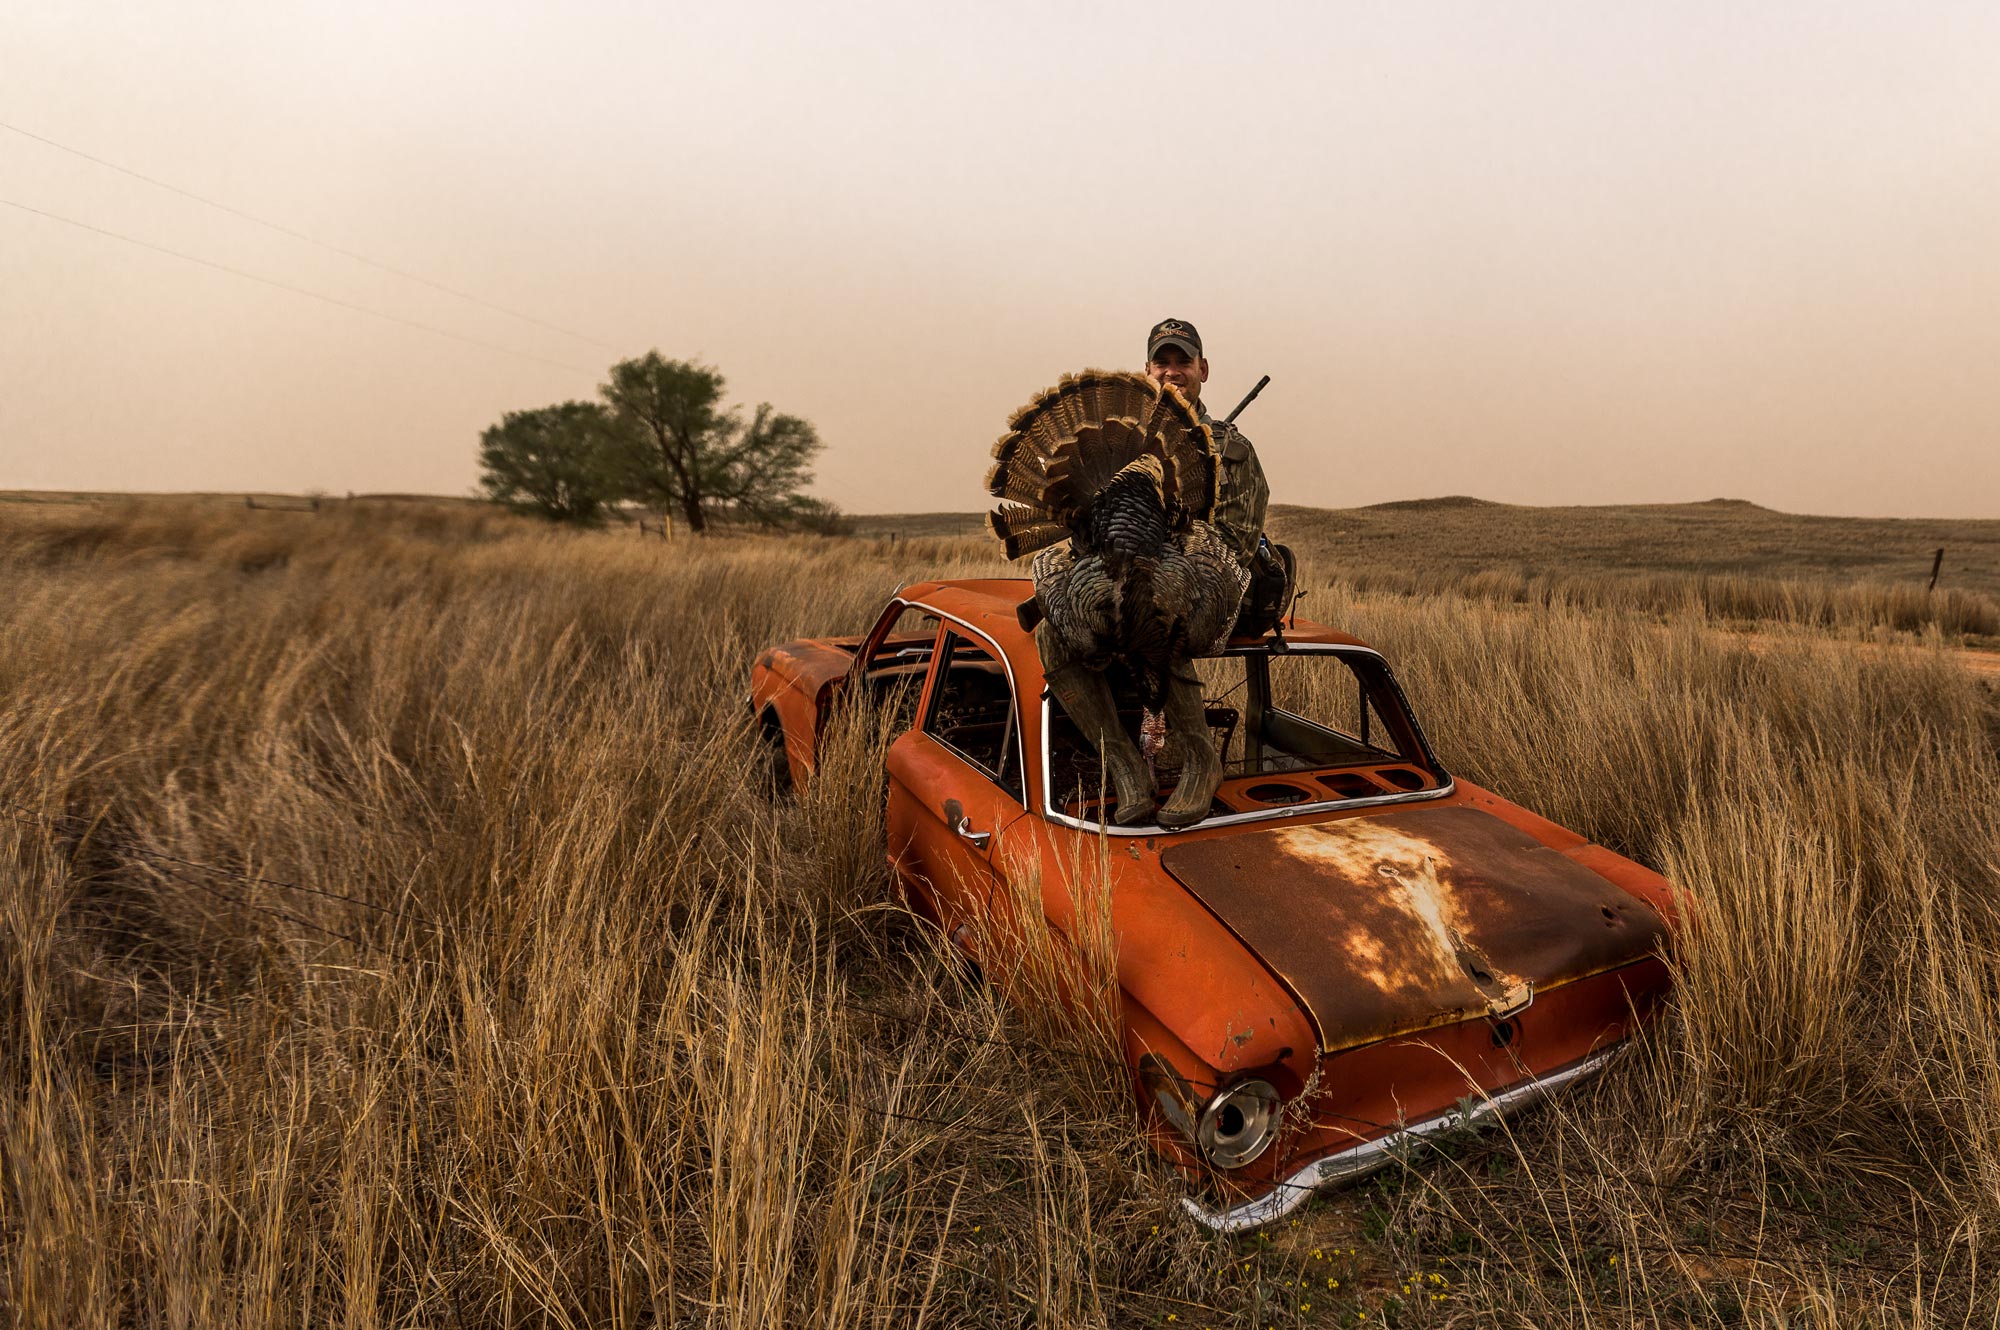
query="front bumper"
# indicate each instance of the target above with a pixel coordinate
(1355, 1161)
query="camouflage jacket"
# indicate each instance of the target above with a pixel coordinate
(1239, 508)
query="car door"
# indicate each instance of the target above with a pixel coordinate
(955, 782)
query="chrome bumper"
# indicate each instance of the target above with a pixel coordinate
(1346, 1165)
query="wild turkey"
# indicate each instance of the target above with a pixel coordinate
(1109, 476)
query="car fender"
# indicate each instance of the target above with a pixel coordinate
(1177, 963)
(794, 685)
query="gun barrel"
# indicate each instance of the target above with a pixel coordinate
(1248, 398)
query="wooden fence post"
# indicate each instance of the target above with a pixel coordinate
(1937, 562)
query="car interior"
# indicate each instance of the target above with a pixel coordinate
(895, 672)
(1272, 756)
(972, 710)
(1258, 705)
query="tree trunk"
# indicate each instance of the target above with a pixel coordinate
(679, 455)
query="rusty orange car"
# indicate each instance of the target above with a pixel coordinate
(1353, 951)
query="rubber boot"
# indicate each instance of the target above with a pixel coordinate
(1086, 695)
(1201, 765)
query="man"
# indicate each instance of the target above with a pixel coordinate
(1173, 355)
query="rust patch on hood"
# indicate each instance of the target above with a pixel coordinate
(1394, 923)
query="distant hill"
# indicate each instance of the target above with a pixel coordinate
(1719, 536)
(1458, 535)
(909, 525)
(1432, 505)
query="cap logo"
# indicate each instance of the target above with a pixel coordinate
(1173, 330)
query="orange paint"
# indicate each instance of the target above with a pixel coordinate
(1396, 942)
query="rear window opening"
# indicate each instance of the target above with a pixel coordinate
(893, 674)
(1297, 728)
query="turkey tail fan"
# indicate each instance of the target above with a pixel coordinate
(1024, 530)
(1173, 418)
(1093, 397)
(1034, 459)
(1069, 441)
(1097, 453)
(1037, 435)
(1195, 473)
(1194, 467)
(1017, 450)
(1015, 476)
(1044, 422)
(1120, 396)
(1056, 414)
(1100, 450)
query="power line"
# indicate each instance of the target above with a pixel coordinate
(297, 290)
(300, 235)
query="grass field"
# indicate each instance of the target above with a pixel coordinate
(394, 933)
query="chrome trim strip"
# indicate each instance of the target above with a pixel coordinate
(1355, 1161)
(1049, 813)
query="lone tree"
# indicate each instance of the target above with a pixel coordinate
(679, 447)
(554, 460)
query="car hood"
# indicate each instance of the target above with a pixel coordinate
(1397, 922)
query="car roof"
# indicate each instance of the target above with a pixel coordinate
(989, 605)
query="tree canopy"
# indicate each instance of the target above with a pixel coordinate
(663, 436)
(679, 446)
(552, 460)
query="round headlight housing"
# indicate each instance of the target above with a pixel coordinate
(1238, 1124)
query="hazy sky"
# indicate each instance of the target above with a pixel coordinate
(1538, 252)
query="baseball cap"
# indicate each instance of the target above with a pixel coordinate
(1173, 332)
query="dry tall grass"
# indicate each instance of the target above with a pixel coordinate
(1853, 607)
(1740, 596)
(395, 933)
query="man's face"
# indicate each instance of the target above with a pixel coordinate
(1170, 364)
